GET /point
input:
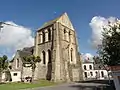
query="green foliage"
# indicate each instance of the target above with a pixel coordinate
(3, 63)
(19, 86)
(109, 51)
(32, 60)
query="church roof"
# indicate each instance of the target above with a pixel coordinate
(23, 53)
(63, 19)
(48, 23)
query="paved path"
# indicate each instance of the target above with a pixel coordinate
(73, 86)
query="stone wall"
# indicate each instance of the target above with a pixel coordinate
(64, 50)
(14, 63)
(26, 72)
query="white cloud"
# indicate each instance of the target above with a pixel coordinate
(13, 38)
(97, 24)
(87, 56)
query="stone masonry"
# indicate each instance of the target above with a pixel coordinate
(57, 46)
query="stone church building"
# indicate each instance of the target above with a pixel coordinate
(56, 44)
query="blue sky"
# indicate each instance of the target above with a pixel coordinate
(33, 13)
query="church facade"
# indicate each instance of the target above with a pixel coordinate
(56, 44)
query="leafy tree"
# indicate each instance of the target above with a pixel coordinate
(32, 60)
(3, 65)
(109, 51)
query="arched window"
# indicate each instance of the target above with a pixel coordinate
(43, 36)
(96, 74)
(49, 34)
(102, 73)
(91, 73)
(85, 73)
(90, 66)
(44, 59)
(71, 52)
(85, 67)
(49, 56)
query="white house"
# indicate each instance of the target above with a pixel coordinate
(90, 73)
(16, 76)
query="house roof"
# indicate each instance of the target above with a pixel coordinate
(25, 52)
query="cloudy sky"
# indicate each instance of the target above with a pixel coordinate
(88, 18)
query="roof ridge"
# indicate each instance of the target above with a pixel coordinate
(51, 21)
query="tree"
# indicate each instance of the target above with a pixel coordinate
(32, 60)
(3, 65)
(109, 50)
(100, 65)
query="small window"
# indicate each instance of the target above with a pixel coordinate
(14, 74)
(44, 57)
(91, 73)
(71, 54)
(49, 34)
(49, 56)
(85, 67)
(18, 63)
(90, 66)
(85, 73)
(43, 37)
(102, 73)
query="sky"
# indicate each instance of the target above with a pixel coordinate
(87, 16)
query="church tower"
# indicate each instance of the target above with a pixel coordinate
(56, 44)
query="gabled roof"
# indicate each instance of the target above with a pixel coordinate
(23, 53)
(63, 19)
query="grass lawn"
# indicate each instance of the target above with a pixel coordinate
(17, 86)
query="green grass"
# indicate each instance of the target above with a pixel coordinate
(17, 86)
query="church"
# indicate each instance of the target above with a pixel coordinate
(56, 44)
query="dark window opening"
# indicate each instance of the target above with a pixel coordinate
(17, 63)
(102, 73)
(85, 73)
(90, 66)
(71, 54)
(91, 73)
(43, 37)
(14, 74)
(49, 34)
(44, 62)
(85, 67)
(49, 56)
